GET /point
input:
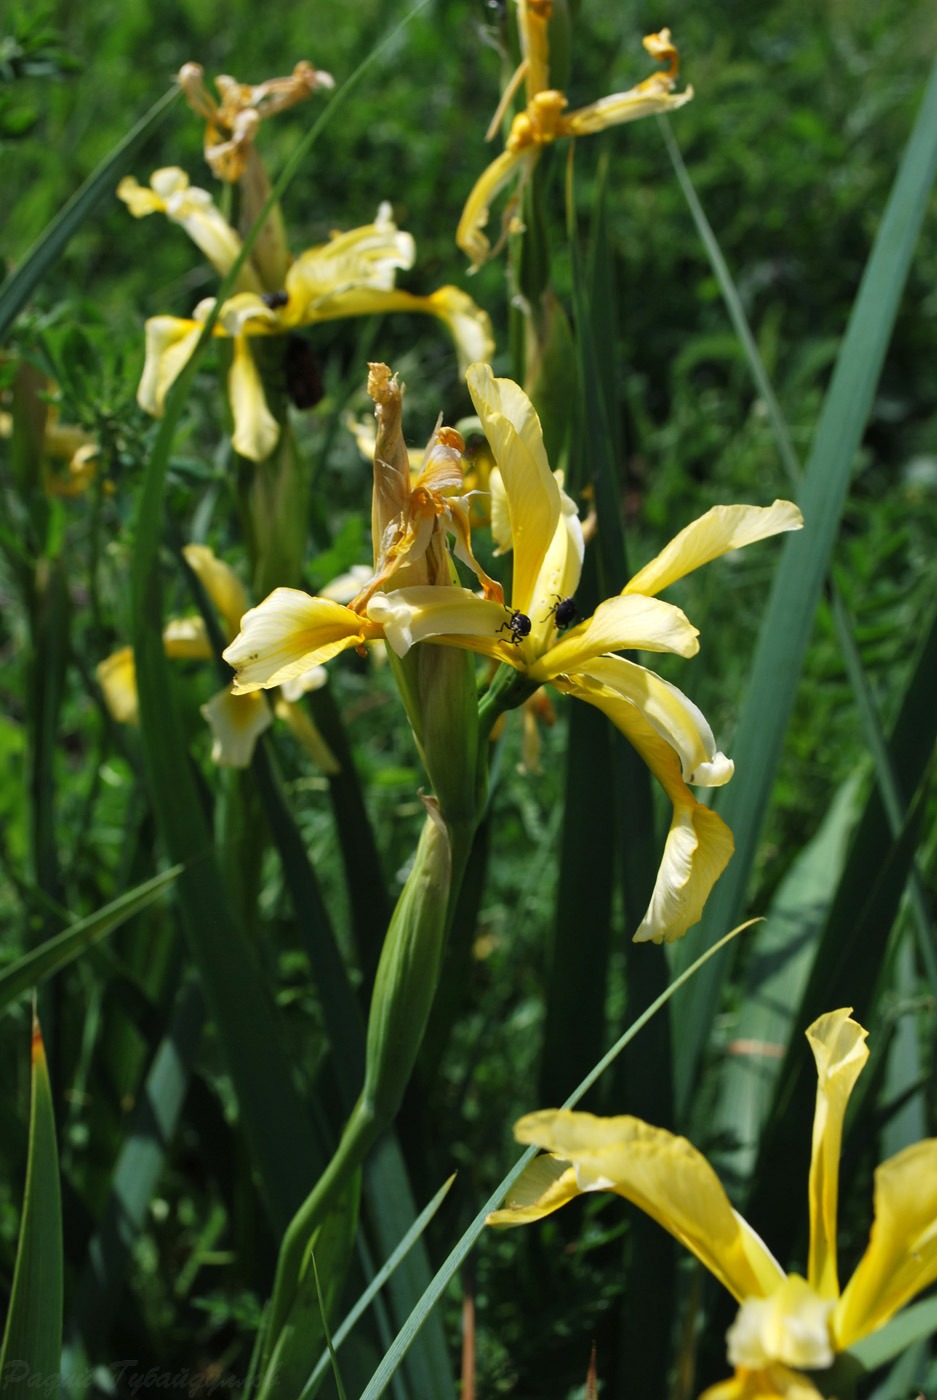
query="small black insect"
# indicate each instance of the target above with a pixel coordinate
(275, 300)
(518, 624)
(564, 612)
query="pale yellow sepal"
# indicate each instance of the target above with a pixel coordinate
(840, 1052)
(774, 1383)
(667, 1178)
(220, 582)
(699, 845)
(618, 624)
(256, 431)
(170, 193)
(901, 1258)
(365, 257)
(117, 677)
(721, 529)
(169, 346)
(513, 429)
(288, 634)
(236, 723)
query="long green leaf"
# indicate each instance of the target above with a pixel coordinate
(50, 957)
(99, 184)
(32, 1342)
(788, 618)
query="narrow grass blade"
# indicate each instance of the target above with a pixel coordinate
(32, 1341)
(50, 957)
(385, 1272)
(444, 1275)
(915, 1323)
(100, 184)
(788, 618)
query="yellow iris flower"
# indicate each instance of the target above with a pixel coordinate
(291, 631)
(236, 721)
(546, 120)
(351, 275)
(786, 1324)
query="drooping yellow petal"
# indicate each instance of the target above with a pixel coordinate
(791, 1327)
(220, 582)
(513, 430)
(559, 573)
(169, 346)
(545, 1184)
(619, 624)
(236, 723)
(840, 1051)
(256, 431)
(699, 845)
(667, 1178)
(901, 1258)
(775, 1383)
(720, 530)
(117, 677)
(468, 324)
(493, 179)
(288, 634)
(671, 713)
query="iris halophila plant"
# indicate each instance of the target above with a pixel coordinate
(290, 632)
(545, 120)
(352, 274)
(786, 1325)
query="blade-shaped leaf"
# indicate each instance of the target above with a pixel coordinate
(32, 1343)
(50, 957)
(788, 617)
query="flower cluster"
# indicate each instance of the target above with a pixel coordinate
(536, 633)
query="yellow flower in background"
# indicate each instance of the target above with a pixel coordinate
(350, 275)
(236, 721)
(232, 123)
(538, 635)
(546, 120)
(785, 1324)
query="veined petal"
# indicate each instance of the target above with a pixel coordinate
(671, 713)
(513, 430)
(717, 532)
(775, 1383)
(544, 1185)
(840, 1051)
(236, 722)
(169, 346)
(619, 624)
(901, 1257)
(117, 677)
(362, 257)
(699, 845)
(559, 573)
(411, 615)
(667, 1178)
(288, 634)
(220, 582)
(256, 431)
(487, 187)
